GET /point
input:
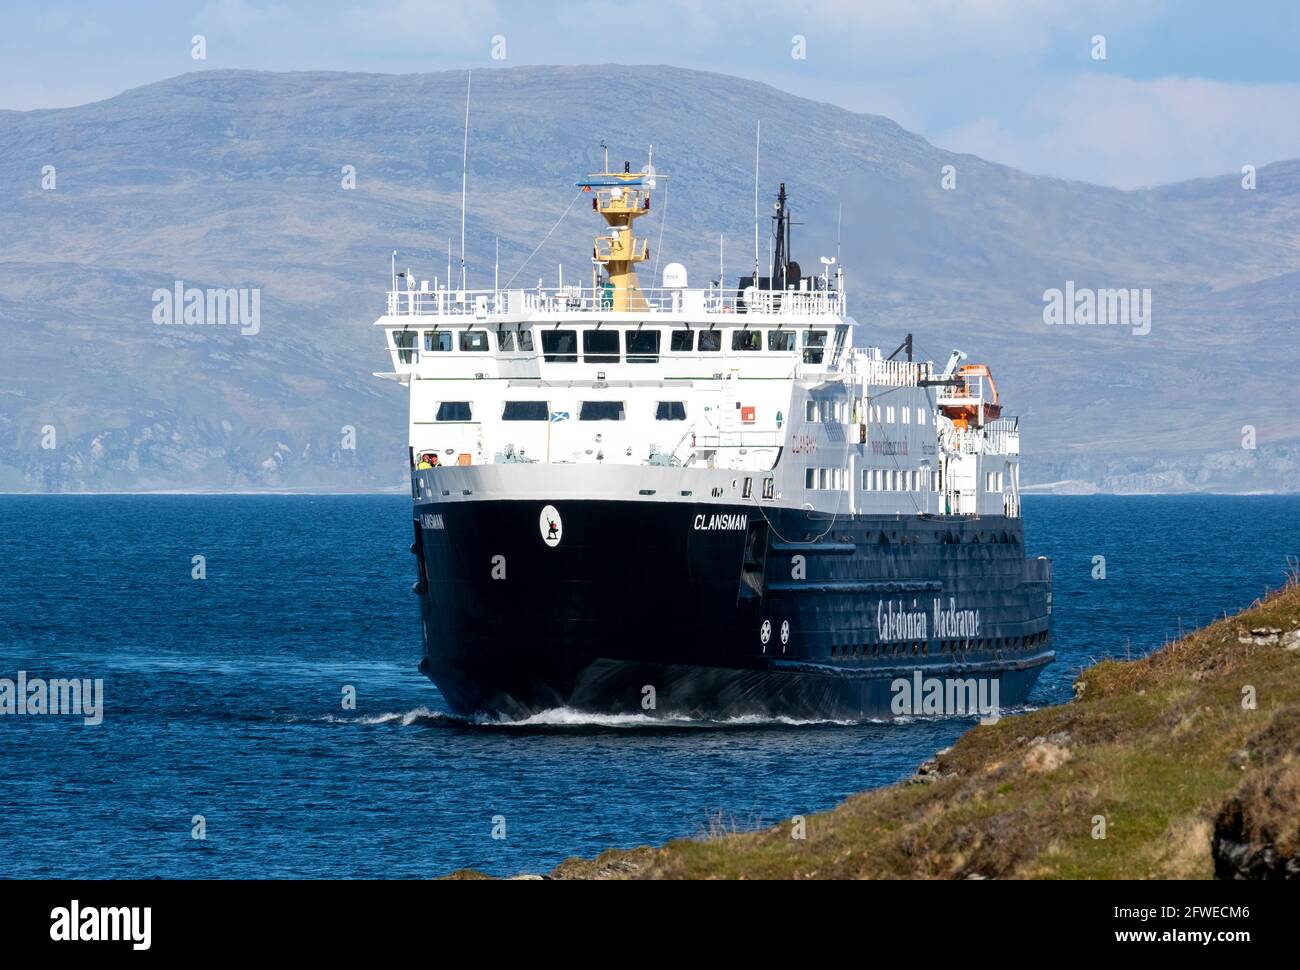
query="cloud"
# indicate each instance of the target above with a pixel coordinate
(355, 30)
(1130, 133)
(992, 77)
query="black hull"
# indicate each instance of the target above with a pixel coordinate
(675, 608)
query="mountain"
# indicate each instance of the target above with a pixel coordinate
(234, 179)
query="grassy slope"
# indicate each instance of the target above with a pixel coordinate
(1159, 746)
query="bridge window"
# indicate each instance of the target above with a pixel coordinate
(600, 346)
(642, 346)
(780, 340)
(810, 410)
(814, 346)
(710, 340)
(601, 411)
(810, 478)
(453, 411)
(437, 341)
(560, 346)
(670, 411)
(526, 411)
(506, 340)
(746, 340)
(682, 341)
(474, 341)
(404, 341)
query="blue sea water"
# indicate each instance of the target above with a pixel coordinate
(223, 697)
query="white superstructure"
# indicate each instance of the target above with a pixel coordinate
(754, 393)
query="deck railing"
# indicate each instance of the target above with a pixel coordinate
(871, 368)
(579, 298)
(1003, 436)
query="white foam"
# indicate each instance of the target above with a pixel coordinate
(405, 718)
(569, 717)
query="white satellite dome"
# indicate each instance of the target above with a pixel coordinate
(674, 276)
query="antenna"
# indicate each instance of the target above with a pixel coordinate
(649, 170)
(496, 269)
(758, 135)
(839, 225)
(464, 176)
(449, 262)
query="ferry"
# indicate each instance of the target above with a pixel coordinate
(705, 502)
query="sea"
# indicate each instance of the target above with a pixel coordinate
(262, 715)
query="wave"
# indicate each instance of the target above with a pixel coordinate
(566, 718)
(420, 715)
(569, 717)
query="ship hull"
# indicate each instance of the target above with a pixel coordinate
(711, 611)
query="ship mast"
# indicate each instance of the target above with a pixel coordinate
(784, 270)
(621, 197)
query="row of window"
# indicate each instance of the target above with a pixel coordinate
(874, 479)
(921, 648)
(824, 411)
(888, 479)
(823, 478)
(837, 411)
(899, 480)
(888, 414)
(541, 411)
(605, 347)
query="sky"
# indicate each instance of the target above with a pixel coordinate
(1187, 88)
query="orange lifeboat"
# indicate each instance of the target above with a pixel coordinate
(973, 401)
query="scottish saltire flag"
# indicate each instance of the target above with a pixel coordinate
(559, 416)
